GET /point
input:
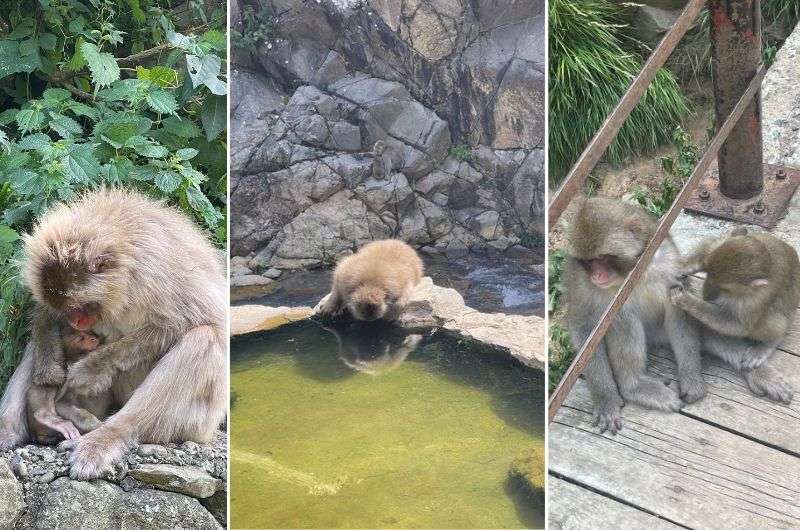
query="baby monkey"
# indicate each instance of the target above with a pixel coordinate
(47, 415)
(749, 298)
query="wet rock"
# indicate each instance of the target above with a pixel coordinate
(530, 469)
(188, 480)
(13, 504)
(217, 505)
(251, 318)
(250, 280)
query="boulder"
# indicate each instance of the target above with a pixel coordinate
(13, 505)
(188, 480)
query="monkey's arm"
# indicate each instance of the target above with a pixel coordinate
(712, 315)
(693, 262)
(48, 351)
(94, 373)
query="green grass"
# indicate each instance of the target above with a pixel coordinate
(590, 68)
(461, 152)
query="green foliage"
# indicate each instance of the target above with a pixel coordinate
(679, 168)
(560, 354)
(555, 285)
(257, 27)
(461, 152)
(590, 69)
(104, 93)
(532, 240)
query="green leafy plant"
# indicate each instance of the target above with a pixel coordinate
(258, 25)
(590, 68)
(104, 93)
(679, 168)
(461, 152)
(560, 354)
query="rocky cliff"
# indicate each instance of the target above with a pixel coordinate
(455, 88)
(155, 487)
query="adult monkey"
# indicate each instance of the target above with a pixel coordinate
(147, 279)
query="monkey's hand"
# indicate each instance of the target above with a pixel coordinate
(692, 387)
(329, 307)
(678, 295)
(90, 376)
(607, 417)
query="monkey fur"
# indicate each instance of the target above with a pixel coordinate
(376, 282)
(382, 164)
(145, 277)
(606, 238)
(747, 304)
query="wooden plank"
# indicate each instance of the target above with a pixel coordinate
(730, 404)
(679, 468)
(571, 507)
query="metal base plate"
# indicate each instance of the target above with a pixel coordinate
(763, 210)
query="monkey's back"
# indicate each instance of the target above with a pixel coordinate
(785, 274)
(390, 264)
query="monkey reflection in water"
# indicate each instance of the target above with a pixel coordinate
(372, 348)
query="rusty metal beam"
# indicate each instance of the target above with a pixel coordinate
(599, 331)
(576, 178)
(736, 52)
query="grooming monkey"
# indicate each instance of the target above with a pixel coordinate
(67, 417)
(141, 274)
(749, 299)
(374, 283)
(606, 238)
(382, 164)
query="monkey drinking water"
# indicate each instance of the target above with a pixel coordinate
(748, 302)
(606, 238)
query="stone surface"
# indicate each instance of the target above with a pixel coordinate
(428, 77)
(248, 280)
(251, 318)
(119, 500)
(188, 480)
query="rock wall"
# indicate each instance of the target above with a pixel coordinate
(156, 487)
(454, 87)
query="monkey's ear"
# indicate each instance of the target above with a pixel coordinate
(102, 263)
(759, 282)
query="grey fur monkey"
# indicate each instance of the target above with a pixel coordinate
(382, 164)
(142, 275)
(606, 238)
(748, 302)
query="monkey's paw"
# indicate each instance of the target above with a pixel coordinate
(677, 294)
(607, 418)
(692, 388)
(94, 454)
(86, 379)
(770, 386)
(328, 307)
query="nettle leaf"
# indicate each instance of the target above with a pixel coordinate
(151, 150)
(167, 181)
(184, 128)
(29, 119)
(18, 212)
(102, 65)
(81, 109)
(65, 126)
(161, 76)
(119, 129)
(80, 164)
(34, 141)
(146, 173)
(187, 153)
(161, 101)
(14, 161)
(24, 28)
(77, 62)
(204, 71)
(13, 61)
(124, 90)
(8, 116)
(117, 170)
(54, 97)
(25, 181)
(28, 47)
(214, 116)
(8, 234)
(47, 41)
(215, 39)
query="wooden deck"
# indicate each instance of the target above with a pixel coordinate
(730, 461)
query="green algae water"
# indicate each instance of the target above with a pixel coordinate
(359, 427)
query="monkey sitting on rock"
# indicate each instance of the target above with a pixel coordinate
(51, 419)
(606, 238)
(375, 283)
(382, 162)
(749, 298)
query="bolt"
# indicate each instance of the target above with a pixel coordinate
(758, 208)
(704, 195)
(781, 174)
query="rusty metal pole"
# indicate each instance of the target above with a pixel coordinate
(736, 49)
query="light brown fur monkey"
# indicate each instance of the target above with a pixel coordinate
(51, 419)
(606, 238)
(376, 282)
(382, 164)
(147, 279)
(748, 302)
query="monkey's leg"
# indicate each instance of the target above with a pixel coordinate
(94, 373)
(627, 352)
(333, 305)
(605, 395)
(183, 397)
(740, 353)
(766, 381)
(685, 340)
(13, 423)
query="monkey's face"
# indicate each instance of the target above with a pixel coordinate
(77, 277)
(368, 303)
(80, 341)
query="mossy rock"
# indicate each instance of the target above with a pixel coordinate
(530, 470)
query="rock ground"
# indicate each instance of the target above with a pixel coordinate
(155, 487)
